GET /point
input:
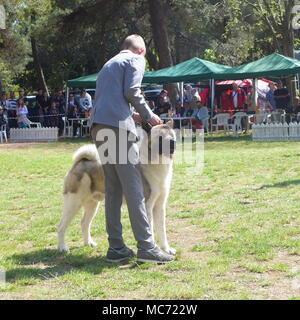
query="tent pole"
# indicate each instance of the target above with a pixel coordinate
(212, 94)
(181, 89)
(255, 86)
(66, 111)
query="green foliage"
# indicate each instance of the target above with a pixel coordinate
(76, 37)
(210, 55)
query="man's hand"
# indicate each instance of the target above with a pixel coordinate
(155, 120)
(137, 118)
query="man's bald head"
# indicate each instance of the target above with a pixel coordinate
(134, 43)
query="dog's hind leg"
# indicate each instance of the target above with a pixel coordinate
(72, 204)
(159, 219)
(90, 210)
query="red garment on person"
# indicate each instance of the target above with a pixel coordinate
(203, 95)
(226, 102)
(241, 99)
(197, 123)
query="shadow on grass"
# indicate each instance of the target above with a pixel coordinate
(222, 138)
(79, 140)
(280, 184)
(51, 264)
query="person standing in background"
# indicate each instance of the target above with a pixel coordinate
(270, 96)
(238, 98)
(251, 104)
(12, 121)
(282, 97)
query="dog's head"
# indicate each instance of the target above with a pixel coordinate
(162, 140)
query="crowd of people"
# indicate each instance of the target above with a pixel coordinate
(196, 103)
(48, 110)
(277, 99)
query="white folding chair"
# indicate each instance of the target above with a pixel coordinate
(35, 125)
(3, 133)
(69, 128)
(278, 116)
(85, 127)
(262, 117)
(222, 121)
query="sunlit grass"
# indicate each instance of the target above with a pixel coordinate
(236, 227)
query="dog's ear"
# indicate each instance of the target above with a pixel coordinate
(170, 123)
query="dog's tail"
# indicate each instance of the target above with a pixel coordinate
(88, 152)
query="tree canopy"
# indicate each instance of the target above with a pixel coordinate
(47, 42)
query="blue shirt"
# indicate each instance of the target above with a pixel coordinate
(270, 98)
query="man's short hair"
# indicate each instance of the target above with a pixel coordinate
(133, 41)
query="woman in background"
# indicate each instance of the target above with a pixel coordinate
(22, 112)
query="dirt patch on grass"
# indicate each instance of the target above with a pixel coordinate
(16, 145)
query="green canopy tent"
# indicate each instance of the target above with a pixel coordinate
(84, 82)
(195, 69)
(274, 65)
(191, 70)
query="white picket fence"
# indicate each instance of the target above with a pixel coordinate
(276, 132)
(34, 135)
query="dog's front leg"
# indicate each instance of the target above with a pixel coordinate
(149, 208)
(159, 219)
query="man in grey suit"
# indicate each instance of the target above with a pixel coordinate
(118, 88)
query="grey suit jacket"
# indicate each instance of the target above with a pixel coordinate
(118, 87)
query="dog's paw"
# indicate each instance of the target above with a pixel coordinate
(170, 250)
(91, 243)
(63, 248)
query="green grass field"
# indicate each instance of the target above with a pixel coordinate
(235, 226)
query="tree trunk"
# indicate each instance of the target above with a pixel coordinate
(288, 45)
(161, 41)
(38, 67)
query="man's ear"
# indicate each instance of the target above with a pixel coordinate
(170, 123)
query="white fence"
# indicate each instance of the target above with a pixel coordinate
(34, 135)
(276, 132)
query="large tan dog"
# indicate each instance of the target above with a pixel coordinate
(84, 185)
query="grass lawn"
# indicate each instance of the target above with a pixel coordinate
(235, 226)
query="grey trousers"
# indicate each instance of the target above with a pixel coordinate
(119, 179)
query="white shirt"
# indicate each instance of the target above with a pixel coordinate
(86, 101)
(235, 98)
